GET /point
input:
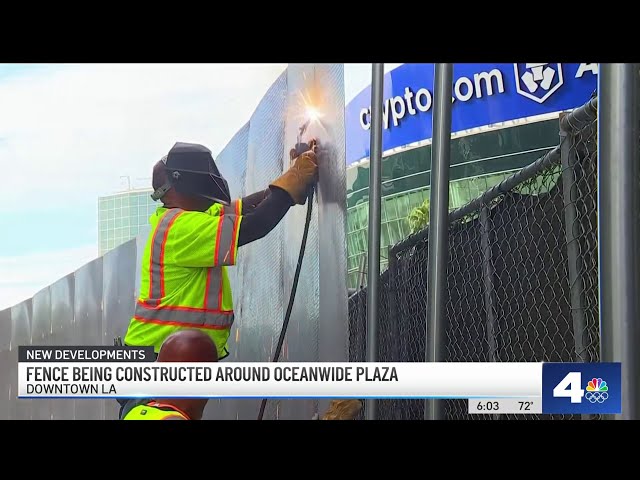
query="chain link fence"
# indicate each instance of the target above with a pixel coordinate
(522, 276)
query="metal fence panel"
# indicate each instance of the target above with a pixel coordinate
(6, 358)
(87, 303)
(62, 322)
(118, 267)
(118, 287)
(62, 314)
(332, 217)
(41, 409)
(6, 400)
(20, 335)
(5, 329)
(87, 315)
(530, 317)
(261, 302)
(580, 176)
(301, 343)
(41, 320)
(522, 274)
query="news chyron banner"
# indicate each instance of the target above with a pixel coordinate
(490, 388)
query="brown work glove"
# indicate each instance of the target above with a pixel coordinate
(301, 175)
(343, 410)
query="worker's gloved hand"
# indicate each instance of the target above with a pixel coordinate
(303, 147)
(302, 174)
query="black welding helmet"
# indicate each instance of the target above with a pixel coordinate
(191, 170)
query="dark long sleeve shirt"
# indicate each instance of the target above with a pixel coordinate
(261, 212)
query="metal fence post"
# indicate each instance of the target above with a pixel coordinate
(568, 159)
(375, 190)
(438, 225)
(487, 273)
(393, 311)
(489, 290)
(393, 306)
(618, 206)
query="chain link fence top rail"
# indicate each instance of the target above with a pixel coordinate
(522, 278)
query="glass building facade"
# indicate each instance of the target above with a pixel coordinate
(478, 162)
(122, 216)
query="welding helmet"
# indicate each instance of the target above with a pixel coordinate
(191, 170)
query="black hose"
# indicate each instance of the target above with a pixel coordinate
(294, 288)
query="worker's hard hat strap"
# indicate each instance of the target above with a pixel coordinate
(159, 193)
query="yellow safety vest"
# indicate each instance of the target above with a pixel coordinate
(154, 411)
(184, 281)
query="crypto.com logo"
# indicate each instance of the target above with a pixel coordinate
(538, 81)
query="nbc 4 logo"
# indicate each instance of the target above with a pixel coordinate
(538, 81)
(571, 387)
(581, 388)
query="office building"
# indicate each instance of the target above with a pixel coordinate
(122, 216)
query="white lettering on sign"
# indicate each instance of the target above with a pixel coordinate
(363, 119)
(423, 100)
(584, 67)
(458, 89)
(408, 95)
(395, 108)
(483, 84)
(488, 82)
(385, 114)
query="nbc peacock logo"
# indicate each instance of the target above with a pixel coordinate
(597, 391)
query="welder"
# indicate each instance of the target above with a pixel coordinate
(195, 235)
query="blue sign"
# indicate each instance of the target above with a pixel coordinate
(581, 388)
(483, 94)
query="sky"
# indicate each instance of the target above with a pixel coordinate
(70, 133)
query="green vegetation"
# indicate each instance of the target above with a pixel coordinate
(419, 217)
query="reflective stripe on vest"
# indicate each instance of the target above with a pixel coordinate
(210, 315)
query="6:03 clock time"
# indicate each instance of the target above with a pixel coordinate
(488, 406)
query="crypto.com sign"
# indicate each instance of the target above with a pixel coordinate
(483, 94)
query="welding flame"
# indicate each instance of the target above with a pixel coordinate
(308, 105)
(312, 113)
